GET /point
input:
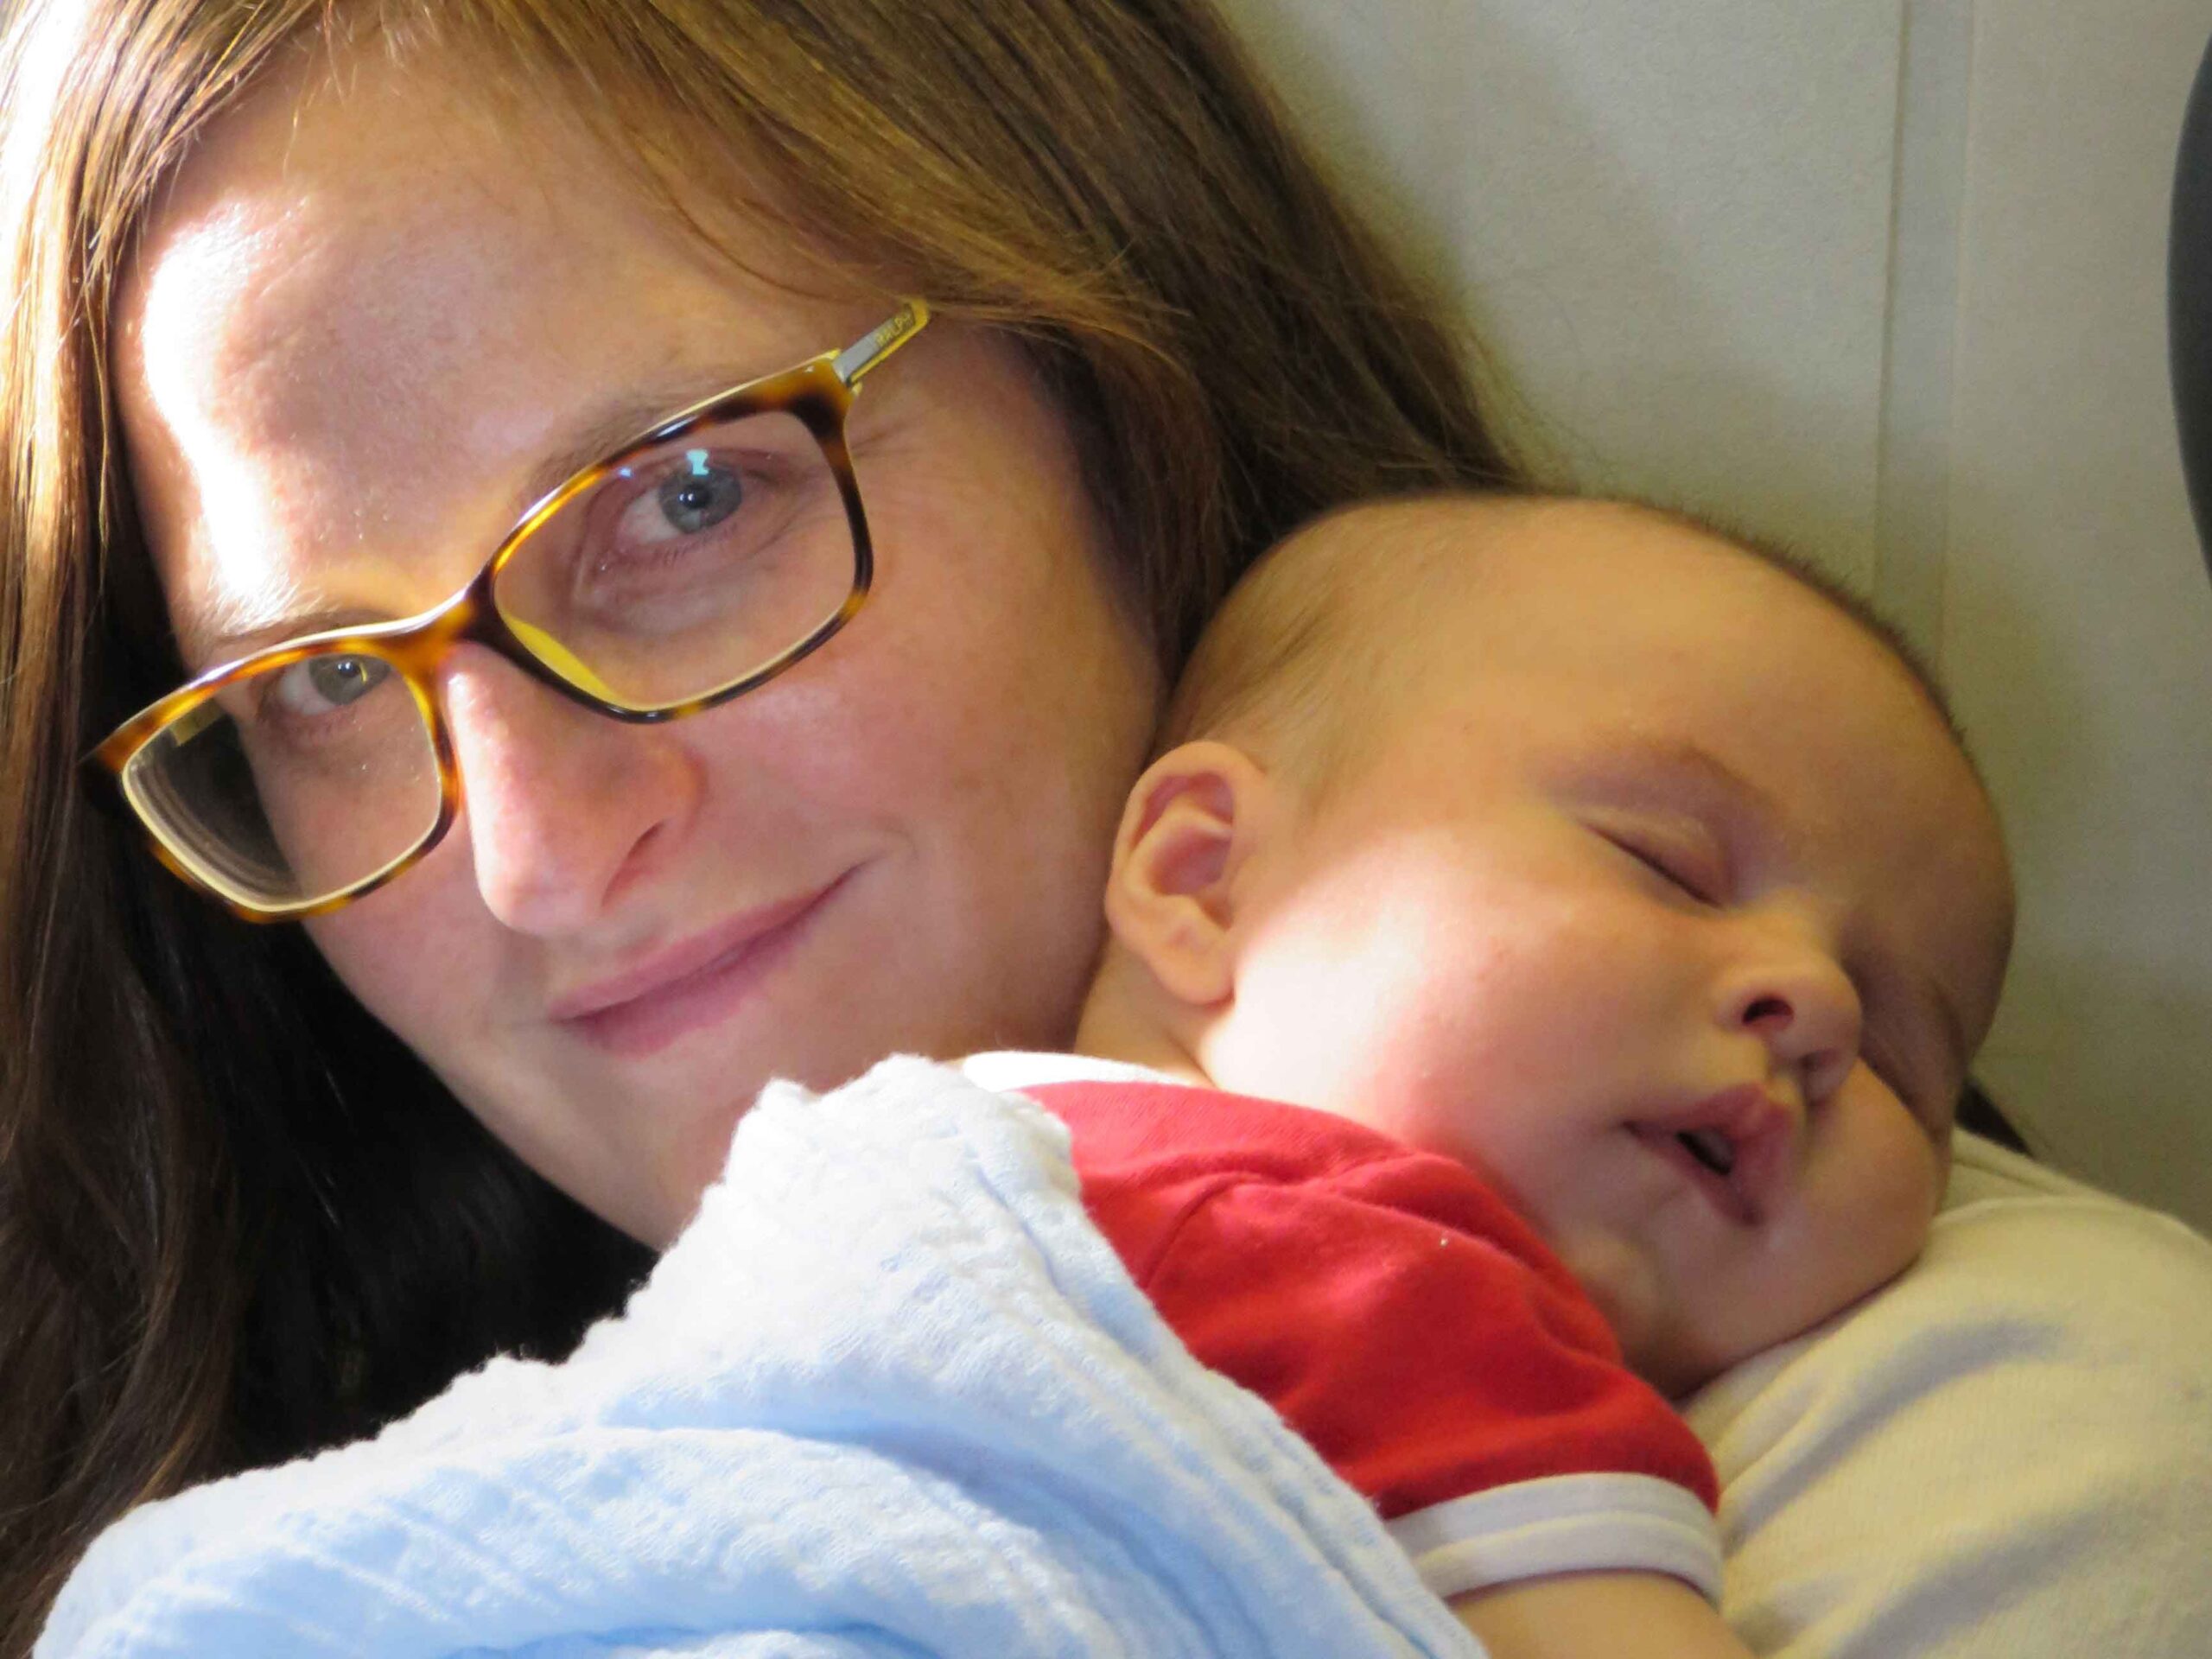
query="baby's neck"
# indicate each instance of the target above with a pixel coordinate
(1122, 1021)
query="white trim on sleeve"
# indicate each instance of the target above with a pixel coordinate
(1563, 1523)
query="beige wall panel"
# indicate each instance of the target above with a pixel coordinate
(1883, 277)
(1672, 221)
(2077, 616)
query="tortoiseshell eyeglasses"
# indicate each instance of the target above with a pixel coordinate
(696, 563)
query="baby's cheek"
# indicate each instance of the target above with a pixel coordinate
(1629, 1290)
(1877, 1191)
(1907, 1192)
(1901, 1164)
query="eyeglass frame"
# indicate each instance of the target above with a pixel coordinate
(819, 393)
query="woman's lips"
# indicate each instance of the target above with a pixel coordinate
(698, 982)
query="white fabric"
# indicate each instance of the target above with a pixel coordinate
(889, 1395)
(2005, 1455)
(1569, 1524)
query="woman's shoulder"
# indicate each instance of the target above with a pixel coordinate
(2007, 1450)
(2023, 1265)
(2015, 1239)
(1983, 1171)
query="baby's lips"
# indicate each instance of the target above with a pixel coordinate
(1762, 1133)
(1766, 1162)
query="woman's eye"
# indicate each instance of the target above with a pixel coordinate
(322, 685)
(694, 497)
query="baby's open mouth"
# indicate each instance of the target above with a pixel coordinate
(1710, 1147)
(1736, 1145)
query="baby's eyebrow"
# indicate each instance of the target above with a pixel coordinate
(1678, 763)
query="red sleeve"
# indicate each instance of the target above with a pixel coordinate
(1388, 1303)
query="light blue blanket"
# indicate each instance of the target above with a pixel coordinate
(890, 1393)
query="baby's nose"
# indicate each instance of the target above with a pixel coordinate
(1803, 1007)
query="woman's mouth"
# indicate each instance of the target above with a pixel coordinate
(698, 982)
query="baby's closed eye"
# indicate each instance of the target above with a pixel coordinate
(1683, 853)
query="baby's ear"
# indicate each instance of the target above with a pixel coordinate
(1191, 821)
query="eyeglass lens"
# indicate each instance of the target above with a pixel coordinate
(689, 568)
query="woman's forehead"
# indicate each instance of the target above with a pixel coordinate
(395, 238)
(361, 322)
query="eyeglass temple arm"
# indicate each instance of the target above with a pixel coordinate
(879, 342)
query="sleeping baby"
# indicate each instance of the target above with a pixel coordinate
(1546, 957)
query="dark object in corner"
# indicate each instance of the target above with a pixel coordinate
(2189, 299)
(1978, 1113)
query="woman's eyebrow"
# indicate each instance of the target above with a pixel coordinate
(244, 624)
(602, 429)
(238, 623)
(233, 621)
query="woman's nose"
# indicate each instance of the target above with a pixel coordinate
(565, 808)
(1797, 1000)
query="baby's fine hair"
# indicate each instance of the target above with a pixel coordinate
(1315, 632)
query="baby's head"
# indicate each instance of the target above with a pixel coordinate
(1604, 855)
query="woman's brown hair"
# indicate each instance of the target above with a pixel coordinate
(238, 1221)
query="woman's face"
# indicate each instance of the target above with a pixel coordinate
(364, 331)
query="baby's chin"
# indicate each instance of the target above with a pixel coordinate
(1641, 1307)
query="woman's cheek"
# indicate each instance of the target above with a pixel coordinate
(419, 954)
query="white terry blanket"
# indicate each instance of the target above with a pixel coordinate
(890, 1393)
